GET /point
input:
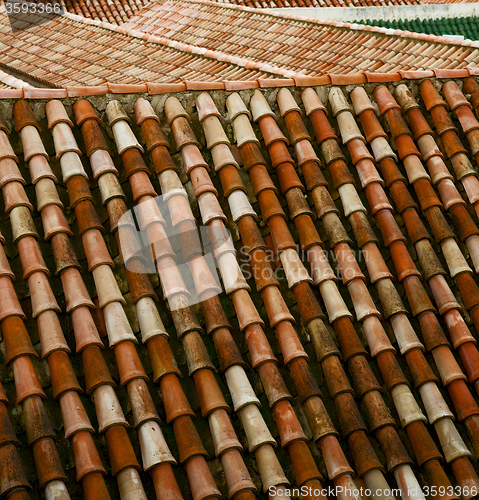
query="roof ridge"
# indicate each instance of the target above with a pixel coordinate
(300, 82)
(186, 47)
(337, 24)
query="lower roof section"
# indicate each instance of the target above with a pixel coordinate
(344, 352)
(203, 41)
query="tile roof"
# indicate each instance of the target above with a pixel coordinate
(116, 11)
(292, 42)
(266, 4)
(465, 26)
(119, 12)
(178, 42)
(67, 52)
(350, 296)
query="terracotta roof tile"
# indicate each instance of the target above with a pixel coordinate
(192, 45)
(434, 204)
(75, 69)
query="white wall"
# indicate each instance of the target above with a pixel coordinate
(391, 12)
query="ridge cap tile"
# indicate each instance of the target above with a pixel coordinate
(348, 78)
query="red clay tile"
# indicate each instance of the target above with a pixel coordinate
(275, 82)
(200, 479)
(348, 79)
(56, 113)
(260, 350)
(383, 77)
(96, 370)
(37, 422)
(231, 85)
(47, 461)
(9, 172)
(86, 333)
(442, 121)
(9, 299)
(153, 445)
(71, 165)
(12, 475)
(161, 358)
(183, 133)
(54, 222)
(193, 85)
(3, 397)
(6, 150)
(87, 460)
(41, 294)
(46, 193)
(23, 116)
(126, 89)
(133, 162)
(187, 438)
(64, 140)
(312, 102)
(87, 217)
(62, 374)
(94, 486)
(108, 409)
(117, 324)
(209, 395)
(270, 131)
(84, 111)
(11, 93)
(164, 88)
(120, 450)
(31, 143)
(7, 434)
(93, 138)
(214, 133)
(76, 294)
(454, 95)
(51, 335)
(144, 111)
(451, 73)
(95, 249)
(75, 418)
(26, 379)
(174, 398)
(174, 109)
(86, 90)
(286, 102)
(236, 474)
(206, 107)
(31, 257)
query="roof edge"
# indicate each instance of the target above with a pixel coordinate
(152, 88)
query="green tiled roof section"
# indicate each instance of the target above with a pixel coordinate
(465, 26)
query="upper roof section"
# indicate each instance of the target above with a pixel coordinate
(265, 4)
(301, 45)
(172, 41)
(68, 51)
(119, 11)
(111, 11)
